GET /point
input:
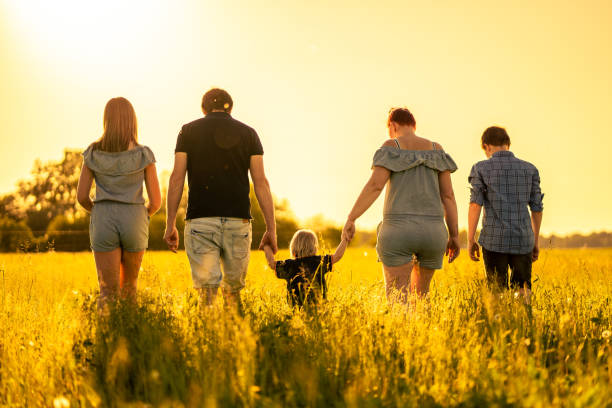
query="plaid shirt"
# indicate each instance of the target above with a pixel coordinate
(505, 186)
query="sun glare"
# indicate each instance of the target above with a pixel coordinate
(81, 29)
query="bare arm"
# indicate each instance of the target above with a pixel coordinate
(369, 194)
(473, 218)
(175, 192)
(536, 207)
(84, 187)
(264, 197)
(477, 199)
(337, 256)
(153, 192)
(447, 195)
(270, 256)
(536, 222)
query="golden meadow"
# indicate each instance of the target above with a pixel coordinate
(466, 347)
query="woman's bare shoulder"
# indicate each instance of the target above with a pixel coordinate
(429, 143)
(389, 143)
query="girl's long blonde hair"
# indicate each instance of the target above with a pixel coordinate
(304, 243)
(120, 126)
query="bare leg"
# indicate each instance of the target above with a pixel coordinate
(108, 265)
(397, 281)
(130, 266)
(420, 280)
(207, 296)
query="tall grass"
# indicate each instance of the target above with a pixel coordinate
(465, 347)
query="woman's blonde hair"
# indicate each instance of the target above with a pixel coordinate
(304, 243)
(120, 126)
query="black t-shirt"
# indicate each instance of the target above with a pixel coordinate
(219, 150)
(305, 278)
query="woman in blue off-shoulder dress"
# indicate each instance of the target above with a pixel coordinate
(412, 238)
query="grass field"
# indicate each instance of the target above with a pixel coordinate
(468, 347)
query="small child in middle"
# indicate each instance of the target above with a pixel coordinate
(305, 273)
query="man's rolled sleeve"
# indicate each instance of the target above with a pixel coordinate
(477, 187)
(536, 196)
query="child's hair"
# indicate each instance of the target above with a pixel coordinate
(304, 243)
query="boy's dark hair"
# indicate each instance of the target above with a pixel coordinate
(401, 116)
(217, 99)
(495, 136)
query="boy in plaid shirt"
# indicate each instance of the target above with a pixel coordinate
(507, 188)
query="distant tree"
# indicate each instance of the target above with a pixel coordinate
(49, 192)
(14, 235)
(594, 240)
(329, 232)
(286, 223)
(9, 207)
(66, 233)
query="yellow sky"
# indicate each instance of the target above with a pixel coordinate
(316, 80)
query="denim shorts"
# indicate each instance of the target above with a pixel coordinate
(403, 238)
(218, 249)
(115, 225)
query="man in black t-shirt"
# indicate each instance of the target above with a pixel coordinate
(216, 153)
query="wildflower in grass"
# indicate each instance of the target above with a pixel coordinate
(606, 334)
(75, 292)
(61, 402)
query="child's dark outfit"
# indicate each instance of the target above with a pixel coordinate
(305, 278)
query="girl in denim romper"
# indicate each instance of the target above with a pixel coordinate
(119, 222)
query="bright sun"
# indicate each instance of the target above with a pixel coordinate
(85, 29)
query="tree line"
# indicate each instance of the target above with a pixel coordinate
(42, 214)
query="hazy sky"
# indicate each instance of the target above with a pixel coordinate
(316, 80)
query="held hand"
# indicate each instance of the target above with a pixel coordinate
(535, 254)
(474, 251)
(269, 238)
(452, 249)
(171, 237)
(348, 232)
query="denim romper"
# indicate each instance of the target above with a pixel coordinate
(413, 216)
(119, 218)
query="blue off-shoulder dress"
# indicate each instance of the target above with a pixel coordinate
(413, 216)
